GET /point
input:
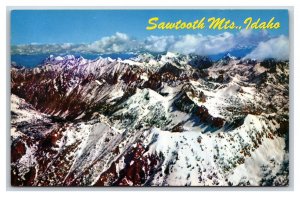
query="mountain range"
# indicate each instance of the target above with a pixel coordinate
(150, 120)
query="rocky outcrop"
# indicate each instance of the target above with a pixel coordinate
(171, 120)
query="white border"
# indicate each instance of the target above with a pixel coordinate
(174, 3)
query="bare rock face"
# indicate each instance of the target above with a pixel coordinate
(172, 120)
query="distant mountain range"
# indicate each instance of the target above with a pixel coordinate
(35, 59)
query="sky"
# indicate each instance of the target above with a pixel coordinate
(85, 26)
(109, 31)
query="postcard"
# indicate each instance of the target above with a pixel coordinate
(149, 97)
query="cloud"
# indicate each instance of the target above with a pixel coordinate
(204, 45)
(35, 48)
(116, 43)
(119, 42)
(246, 33)
(250, 38)
(190, 43)
(277, 48)
(185, 44)
(158, 43)
(66, 45)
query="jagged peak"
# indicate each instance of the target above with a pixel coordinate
(228, 56)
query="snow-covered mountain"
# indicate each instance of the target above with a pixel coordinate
(167, 120)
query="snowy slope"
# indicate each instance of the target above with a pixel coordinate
(169, 120)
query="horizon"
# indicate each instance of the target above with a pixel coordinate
(34, 60)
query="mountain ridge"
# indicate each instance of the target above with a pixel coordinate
(150, 121)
